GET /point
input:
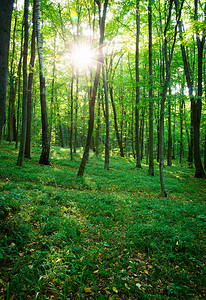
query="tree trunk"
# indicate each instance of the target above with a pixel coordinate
(150, 143)
(6, 8)
(98, 124)
(142, 124)
(119, 140)
(44, 158)
(59, 124)
(199, 171)
(94, 91)
(169, 149)
(181, 129)
(30, 80)
(106, 161)
(71, 120)
(11, 111)
(173, 133)
(76, 113)
(19, 88)
(25, 85)
(168, 61)
(138, 162)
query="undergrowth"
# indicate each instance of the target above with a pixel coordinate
(107, 236)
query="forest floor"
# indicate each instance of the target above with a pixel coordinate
(107, 236)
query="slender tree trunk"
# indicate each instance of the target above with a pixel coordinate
(59, 124)
(30, 80)
(119, 140)
(6, 8)
(44, 158)
(181, 128)
(199, 171)
(169, 149)
(71, 120)
(142, 124)
(150, 143)
(76, 112)
(205, 104)
(94, 91)
(25, 86)
(187, 71)
(138, 162)
(19, 88)
(53, 92)
(106, 161)
(173, 133)
(168, 61)
(11, 111)
(98, 124)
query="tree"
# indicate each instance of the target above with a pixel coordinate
(25, 85)
(44, 158)
(6, 8)
(138, 162)
(95, 85)
(151, 156)
(168, 60)
(197, 107)
(30, 80)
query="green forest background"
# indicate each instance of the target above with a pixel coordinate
(103, 153)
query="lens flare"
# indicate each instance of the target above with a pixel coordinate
(74, 16)
(82, 56)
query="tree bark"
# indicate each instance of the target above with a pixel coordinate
(138, 162)
(199, 171)
(181, 128)
(76, 112)
(11, 110)
(30, 80)
(6, 8)
(44, 158)
(98, 124)
(106, 161)
(71, 119)
(119, 140)
(169, 149)
(25, 86)
(150, 143)
(53, 92)
(19, 89)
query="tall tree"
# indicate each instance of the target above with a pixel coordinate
(6, 8)
(137, 138)
(197, 108)
(25, 85)
(106, 161)
(112, 70)
(151, 155)
(30, 80)
(44, 158)
(95, 85)
(168, 60)
(11, 110)
(187, 70)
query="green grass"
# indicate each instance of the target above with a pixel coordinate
(107, 236)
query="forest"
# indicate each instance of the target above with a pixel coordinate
(102, 149)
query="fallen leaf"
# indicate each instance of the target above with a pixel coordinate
(115, 289)
(87, 290)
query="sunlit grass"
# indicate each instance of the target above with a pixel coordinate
(108, 235)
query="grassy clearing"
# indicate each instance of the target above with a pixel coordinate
(107, 236)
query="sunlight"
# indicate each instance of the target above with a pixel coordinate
(82, 56)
